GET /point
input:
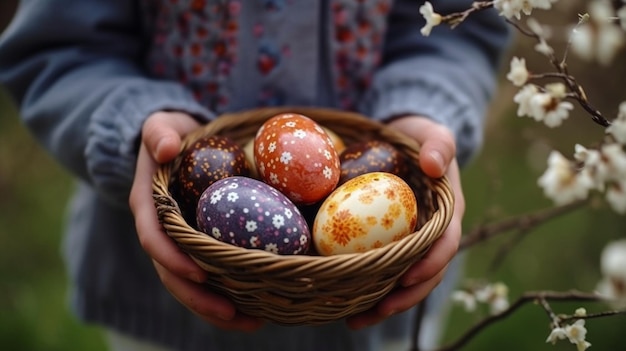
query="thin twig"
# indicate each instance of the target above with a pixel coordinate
(523, 222)
(567, 318)
(562, 73)
(521, 301)
(504, 250)
(555, 321)
(456, 18)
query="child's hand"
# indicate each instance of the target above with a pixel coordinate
(437, 157)
(160, 143)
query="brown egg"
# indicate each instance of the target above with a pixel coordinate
(371, 156)
(204, 162)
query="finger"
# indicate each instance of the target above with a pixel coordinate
(161, 133)
(446, 247)
(213, 308)
(396, 302)
(151, 235)
(438, 256)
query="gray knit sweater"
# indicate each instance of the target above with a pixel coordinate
(85, 75)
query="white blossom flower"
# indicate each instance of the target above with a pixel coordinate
(556, 334)
(616, 196)
(599, 39)
(544, 48)
(546, 107)
(618, 127)
(613, 268)
(495, 295)
(465, 298)
(432, 18)
(541, 4)
(514, 8)
(518, 73)
(523, 97)
(500, 299)
(562, 183)
(557, 90)
(580, 312)
(614, 160)
(509, 8)
(543, 33)
(549, 109)
(576, 333)
(592, 164)
(614, 291)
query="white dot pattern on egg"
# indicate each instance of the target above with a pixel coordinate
(295, 155)
(249, 213)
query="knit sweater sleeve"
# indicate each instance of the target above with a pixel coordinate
(73, 69)
(448, 76)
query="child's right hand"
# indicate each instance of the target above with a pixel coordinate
(160, 143)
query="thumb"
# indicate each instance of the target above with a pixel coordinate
(437, 145)
(437, 152)
(162, 131)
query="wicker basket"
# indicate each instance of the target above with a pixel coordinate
(302, 289)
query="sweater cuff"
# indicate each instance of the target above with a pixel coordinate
(115, 127)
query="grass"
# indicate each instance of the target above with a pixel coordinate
(560, 255)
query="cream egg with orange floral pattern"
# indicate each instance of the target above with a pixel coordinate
(365, 213)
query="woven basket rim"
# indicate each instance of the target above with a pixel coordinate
(443, 189)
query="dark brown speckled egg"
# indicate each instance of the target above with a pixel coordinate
(204, 162)
(248, 213)
(371, 156)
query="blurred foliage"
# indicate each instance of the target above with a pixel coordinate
(500, 183)
(33, 193)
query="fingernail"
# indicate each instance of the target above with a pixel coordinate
(410, 282)
(438, 158)
(158, 148)
(196, 277)
(223, 317)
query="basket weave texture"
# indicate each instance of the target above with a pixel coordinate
(307, 289)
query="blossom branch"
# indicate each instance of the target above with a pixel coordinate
(521, 223)
(454, 19)
(571, 317)
(562, 73)
(527, 297)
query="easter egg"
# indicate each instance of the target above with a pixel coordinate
(338, 142)
(371, 156)
(248, 213)
(204, 162)
(365, 213)
(295, 155)
(248, 149)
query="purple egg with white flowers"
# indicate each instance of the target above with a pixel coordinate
(248, 213)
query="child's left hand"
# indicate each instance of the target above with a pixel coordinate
(437, 158)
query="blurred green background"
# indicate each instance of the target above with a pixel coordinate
(560, 255)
